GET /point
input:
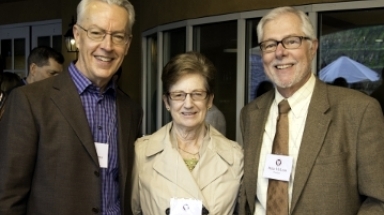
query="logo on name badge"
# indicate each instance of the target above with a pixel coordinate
(186, 207)
(278, 162)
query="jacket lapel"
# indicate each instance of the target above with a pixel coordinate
(124, 118)
(170, 165)
(217, 155)
(66, 98)
(315, 130)
(254, 140)
(125, 149)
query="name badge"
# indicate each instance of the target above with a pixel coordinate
(186, 206)
(102, 154)
(278, 167)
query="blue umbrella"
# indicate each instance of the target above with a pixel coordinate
(349, 69)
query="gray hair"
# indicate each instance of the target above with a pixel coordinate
(122, 3)
(306, 26)
(188, 63)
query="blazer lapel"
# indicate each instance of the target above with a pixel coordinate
(315, 130)
(254, 138)
(125, 149)
(66, 98)
(216, 155)
(170, 165)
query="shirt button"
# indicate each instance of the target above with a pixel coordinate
(96, 173)
(95, 210)
(99, 127)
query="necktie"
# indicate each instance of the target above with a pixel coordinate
(277, 202)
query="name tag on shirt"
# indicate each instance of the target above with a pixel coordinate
(102, 154)
(278, 167)
(186, 206)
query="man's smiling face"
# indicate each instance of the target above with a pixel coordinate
(99, 60)
(289, 69)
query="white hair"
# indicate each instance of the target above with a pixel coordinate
(122, 3)
(306, 26)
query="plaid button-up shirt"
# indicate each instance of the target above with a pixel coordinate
(100, 109)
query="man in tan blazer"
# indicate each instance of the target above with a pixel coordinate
(66, 142)
(336, 138)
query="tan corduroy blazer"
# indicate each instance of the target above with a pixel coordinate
(160, 174)
(340, 167)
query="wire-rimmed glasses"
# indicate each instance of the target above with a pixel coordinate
(95, 34)
(180, 96)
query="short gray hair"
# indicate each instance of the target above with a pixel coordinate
(189, 63)
(122, 3)
(306, 26)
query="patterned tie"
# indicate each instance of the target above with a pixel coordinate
(277, 202)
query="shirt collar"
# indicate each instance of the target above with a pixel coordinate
(84, 84)
(300, 97)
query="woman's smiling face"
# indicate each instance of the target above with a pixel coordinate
(189, 114)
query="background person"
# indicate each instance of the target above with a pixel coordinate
(264, 87)
(68, 146)
(187, 158)
(216, 118)
(8, 81)
(340, 81)
(334, 135)
(43, 62)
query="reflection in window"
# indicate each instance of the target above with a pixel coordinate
(352, 48)
(218, 42)
(20, 54)
(6, 52)
(56, 42)
(151, 111)
(257, 82)
(174, 43)
(44, 41)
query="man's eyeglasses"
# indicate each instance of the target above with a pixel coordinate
(99, 35)
(290, 42)
(180, 96)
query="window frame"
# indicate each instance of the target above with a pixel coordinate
(312, 10)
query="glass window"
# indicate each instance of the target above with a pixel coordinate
(257, 82)
(56, 42)
(351, 48)
(151, 85)
(13, 52)
(218, 42)
(47, 33)
(174, 43)
(6, 52)
(44, 41)
(20, 56)
(347, 38)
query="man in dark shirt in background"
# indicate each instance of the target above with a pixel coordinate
(43, 62)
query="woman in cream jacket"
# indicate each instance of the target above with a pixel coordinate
(187, 161)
